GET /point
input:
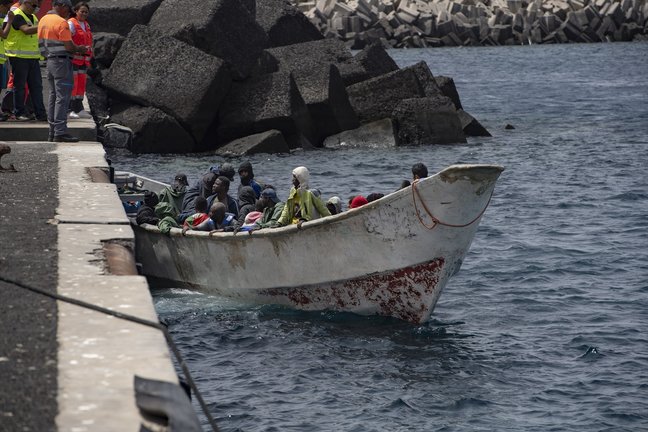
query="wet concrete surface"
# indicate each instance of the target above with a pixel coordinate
(28, 321)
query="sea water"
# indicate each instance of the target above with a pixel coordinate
(545, 326)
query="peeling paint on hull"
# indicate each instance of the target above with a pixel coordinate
(409, 293)
(391, 258)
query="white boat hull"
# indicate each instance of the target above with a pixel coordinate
(391, 257)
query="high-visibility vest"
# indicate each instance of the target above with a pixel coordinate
(3, 57)
(50, 31)
(82, 37)
(21, 45)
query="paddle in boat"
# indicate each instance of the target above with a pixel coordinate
(391, 257)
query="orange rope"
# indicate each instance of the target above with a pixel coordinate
(436, 221)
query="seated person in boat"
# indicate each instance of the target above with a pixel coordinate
(146, 213)
(225, 169)
(302, 205)
(220, 219)
(419, 171)
(220, 193)
(175, 193)
(374, 196)
(271, 206)
(196, 219)
(246, 201)
(334, 204)
(404, 184)
(202, 188)
(357, 201)
(246, 175)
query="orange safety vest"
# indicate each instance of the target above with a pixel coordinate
(82, 37)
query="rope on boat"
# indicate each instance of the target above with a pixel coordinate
(132, 318)
(435, 220)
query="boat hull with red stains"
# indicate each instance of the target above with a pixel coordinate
(391, 257)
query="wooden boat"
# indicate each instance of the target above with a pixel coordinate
(390, 257)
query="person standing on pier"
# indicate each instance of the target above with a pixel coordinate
(21, 47)
(57, 46)
(81, 35)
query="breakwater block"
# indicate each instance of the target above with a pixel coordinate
(222, 28)
(369, 63)
(426, 79)
(160, 71)
(271, 141)
(447, 86)
(105, 48)
(284, 23)
(154, 131)
(374, 99)
(118, 16)
(271, 101)
(471, 126)
(428, 120)
(378, 134)
(313, 66)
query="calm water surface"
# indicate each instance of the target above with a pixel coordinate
(545, 327)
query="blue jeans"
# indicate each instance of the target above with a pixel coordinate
(27, 71)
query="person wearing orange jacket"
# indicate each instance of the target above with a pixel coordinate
(55, 41)
(81, 35)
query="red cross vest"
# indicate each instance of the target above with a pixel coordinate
(82, 37)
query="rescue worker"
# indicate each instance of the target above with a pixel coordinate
(57, 46)
(21, 47)
(4, 12)
(81, 35)
(302, 205)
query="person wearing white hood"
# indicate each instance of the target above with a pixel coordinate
(301, 206)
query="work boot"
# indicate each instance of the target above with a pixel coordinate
(65, 138)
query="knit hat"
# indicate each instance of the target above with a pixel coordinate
(271, 194)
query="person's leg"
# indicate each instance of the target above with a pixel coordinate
(51, 102)
(35, 83)
(61, 70)
(20, 68)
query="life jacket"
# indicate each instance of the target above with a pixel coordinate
(21, 45)
(82, 37)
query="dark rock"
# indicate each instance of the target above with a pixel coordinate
(426, 79)
(119, 16)
(117, 136)
(327, 101)
(98, 100)
(371, 62)
(378, 134)
(154, 131)
(374, 99)
(222, 28)
(105, 48)
(447, 86)
(305, 56)
(471, 126)
(429, 120)
(509, 127)
(271, 141)
(284, 23)
(155, 70)
(271, 101)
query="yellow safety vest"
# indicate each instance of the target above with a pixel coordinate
(20, 45)
(3, 58)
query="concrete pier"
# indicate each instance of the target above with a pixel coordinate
(64, 367)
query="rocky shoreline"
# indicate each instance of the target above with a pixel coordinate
(405, 23)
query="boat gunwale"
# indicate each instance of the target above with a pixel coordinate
(351, 213)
